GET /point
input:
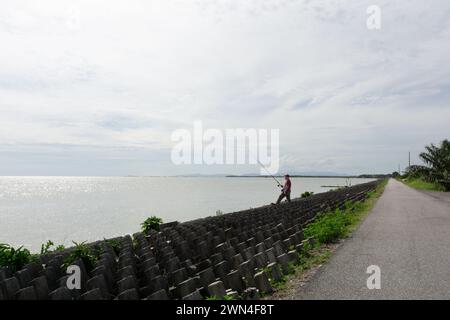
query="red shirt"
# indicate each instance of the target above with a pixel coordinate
(287, 186)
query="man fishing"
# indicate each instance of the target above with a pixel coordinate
(286, 189)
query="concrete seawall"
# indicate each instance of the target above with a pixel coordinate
(192, 260)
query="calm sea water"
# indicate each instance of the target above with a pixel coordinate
(36, 209)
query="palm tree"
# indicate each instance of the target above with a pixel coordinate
(438, 160)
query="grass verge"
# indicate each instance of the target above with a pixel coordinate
(324, 234)
(423, 185)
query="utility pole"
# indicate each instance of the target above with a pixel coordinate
(399, 168)
(409, 159)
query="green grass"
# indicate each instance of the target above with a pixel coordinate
(17, 258)
(423, 185)
(13, 258)
(329, 227)
(82, 251)
(311, 258)
(308, 259)
(49, 246)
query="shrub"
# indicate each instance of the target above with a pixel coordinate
(59, 247)
(115, 245)
(306, 194)
(13, 258)
(83, 252)
(151, 223)
(47, 247)
(329, 227)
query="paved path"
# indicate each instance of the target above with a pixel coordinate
(407, 235)
(444, 196)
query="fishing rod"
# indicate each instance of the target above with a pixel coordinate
(279, 184)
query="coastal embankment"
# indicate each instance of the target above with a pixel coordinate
(239, 255)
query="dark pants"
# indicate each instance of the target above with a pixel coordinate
(284, 194)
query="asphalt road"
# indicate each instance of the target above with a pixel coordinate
(407, 235)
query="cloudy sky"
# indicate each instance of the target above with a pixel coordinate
(98, 87)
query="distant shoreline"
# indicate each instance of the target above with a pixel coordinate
(306, 176)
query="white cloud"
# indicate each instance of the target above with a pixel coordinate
(345, 97)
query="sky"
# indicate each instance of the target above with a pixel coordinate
(98, 87)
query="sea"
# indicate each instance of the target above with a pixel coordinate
(34, 210)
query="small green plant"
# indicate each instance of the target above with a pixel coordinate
(264, 269)
(47, 247)
(13, 258)
(275, 284)
(219, 213)
(306, 194)
(291, 265)
(83, 252)
(278, 284)
(115, 244)
(151, 223)
(307, 247)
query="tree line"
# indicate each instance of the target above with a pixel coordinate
(436, 168)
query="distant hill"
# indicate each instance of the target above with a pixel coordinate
(323, 174)
(319, 174)
(315, 174)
